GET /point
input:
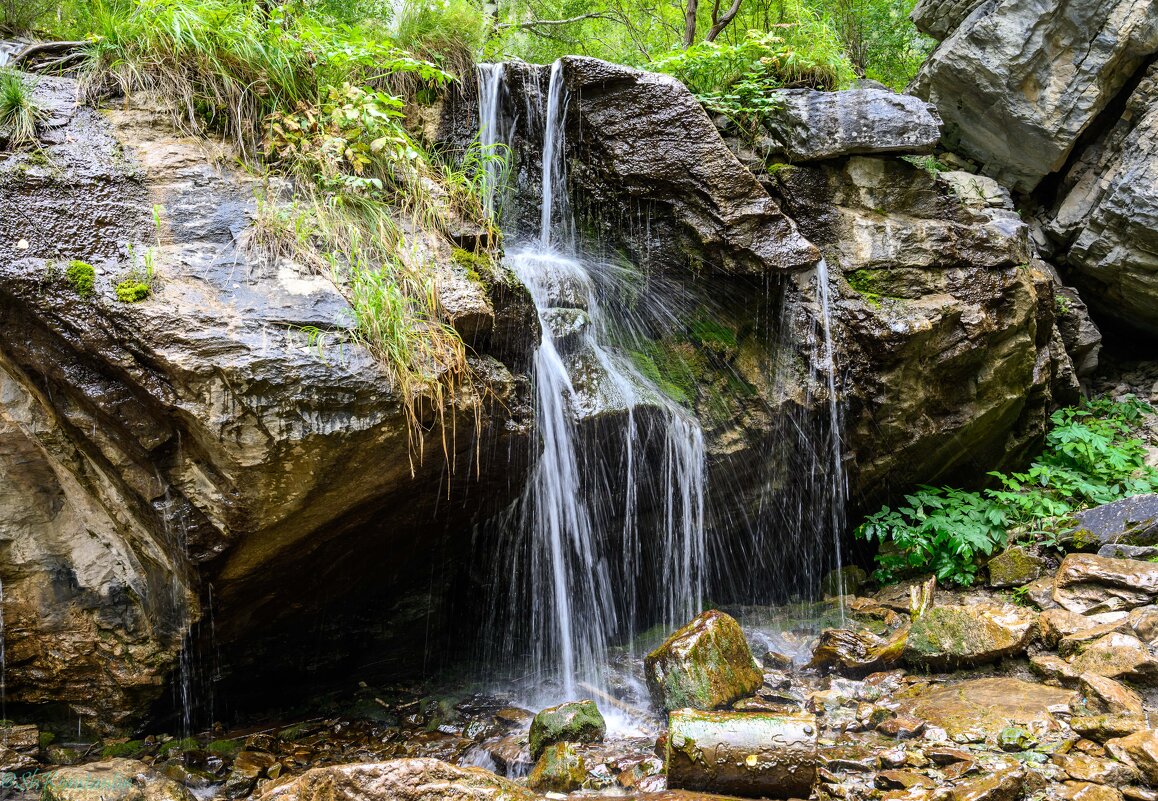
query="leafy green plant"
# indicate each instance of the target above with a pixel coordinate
(82, 276)
(930, 164)
(1091, 457)
(20, 114)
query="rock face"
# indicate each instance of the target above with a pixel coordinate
(400, 779)
(807, 125)
(195, 437)
(1089, 584)
(945, 323)
(705, 665)
(1017, 83)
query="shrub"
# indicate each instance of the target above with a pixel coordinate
(82, 276)
(448, 32)
(1090, 458)
(19, 112)
(21, 16)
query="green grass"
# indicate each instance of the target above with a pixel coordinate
(20, 114)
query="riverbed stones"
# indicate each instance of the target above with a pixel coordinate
(573, 721)
(1088, 584)
(809, 125)
(1102, 695)
(1141, 751)
(111, 780)
(560, 769)
(1117, 656)
(752, 754)
(1085, 768)
(707, 664)
(1014, 567)
(949, 637)
(415, 779)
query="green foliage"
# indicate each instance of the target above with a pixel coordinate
(224, 748)
(447, 32)
(19, 112)
(22, 16)
(82, 277)
(929, 164)
(131, 290)
(1091, 457)
(1062, 305)
(880, 40)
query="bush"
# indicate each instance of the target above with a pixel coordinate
(21, 16)
(82, 276)
(449, 32)
(1090, 458)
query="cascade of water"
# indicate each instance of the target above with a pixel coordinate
(490, 133)
(593, 556)
(3, 670)
(838, 490)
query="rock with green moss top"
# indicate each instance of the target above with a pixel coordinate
(572, 722)
(132, 291)
(1014, 567)
(1015, 738)
(951, 637)
(705, 665)
(560, 769)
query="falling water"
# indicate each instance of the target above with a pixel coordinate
(3, 670)
(590, 555)
(838, 492)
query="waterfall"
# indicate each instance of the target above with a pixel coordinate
(838, 482)
(591, 548)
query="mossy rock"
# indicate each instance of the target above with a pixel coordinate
(1014, 567)
(951, 637)
(560, 769)
(707, 664)
(130, 748)
(573, 722)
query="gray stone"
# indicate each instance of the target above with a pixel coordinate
(1142, 552)
(939, 18)
(807, 125)
(1129, 521)
(1017, 82)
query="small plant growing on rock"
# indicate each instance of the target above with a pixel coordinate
(19, 113)
(82, 276)
(131, 290)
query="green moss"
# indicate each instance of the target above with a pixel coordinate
(180, 746)
(478, 265)
(573, 722)
(943, 630)
(672, 367)
(715, 337)
(82, 276)
(224, 748)
(47, 738)
(132, 291)
(131, 748)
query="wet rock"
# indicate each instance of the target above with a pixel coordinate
(1101, 695)
(950, 637)
(981, 708)
(1118, 656)
(1088, 584)
(1083, 768)
(902, 780)
(678, 162)
(1010, 106)
(1002, 782)
(1129, 521)
(1078, 641)
(846, 581)
(1144, 622)
(1139, 750)
(398, 780)
(514, 718)
(808, 125)
(1139, 552)
(111, 780)
(704, 665)
(857, 653)
(901, 727)
(560, 769)
(1103, 728)
(1085, 791)
(1057, 624)
(749, 754)
(1014, 567)
(1015, 738)
(574, 721)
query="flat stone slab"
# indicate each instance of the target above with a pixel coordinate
(808, 125)
(986, 706)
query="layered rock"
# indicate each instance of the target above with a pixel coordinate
(1017, 83)
(202, 432)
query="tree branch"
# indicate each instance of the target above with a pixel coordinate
(44, 48)
(718, 25)
(537, 22)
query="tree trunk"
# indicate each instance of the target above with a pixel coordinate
(690, 23)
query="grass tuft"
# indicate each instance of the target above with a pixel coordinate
(20, 114)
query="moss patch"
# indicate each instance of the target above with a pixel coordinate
(573, 722)
(82, 277)
(132, 291)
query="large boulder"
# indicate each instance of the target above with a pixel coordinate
(706, 664)
(1017, 82)
(571, 722)
(201, 435)
(805, 125)
(984, 707)
(951, 637)
(1129, 521)
(1087, 584)
(1139, 750)
(396, 779)
(110, 780)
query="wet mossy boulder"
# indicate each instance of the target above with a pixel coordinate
(951, 637)
(707, 664)
(572, 722)
(1014, 567)
(560, 769)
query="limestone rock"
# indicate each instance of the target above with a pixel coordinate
(573, 721)
(949, 637)
(857, 653)
(1101, 695)
(1141, 751)
(1000, 783)
(560, 769)
(1087, 584)
(705, 665)
(396, 779)
(1083, 768)
(807, 125)
(983, 707)
(939, 18)
(1014, 567)
(1118, 656)
(111, 780)
(1103, 728)
(1008, 101)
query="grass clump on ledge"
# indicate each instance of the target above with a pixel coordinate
(1091, 457)
(20, 114)
(322, 104)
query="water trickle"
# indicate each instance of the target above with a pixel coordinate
(591, 550)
